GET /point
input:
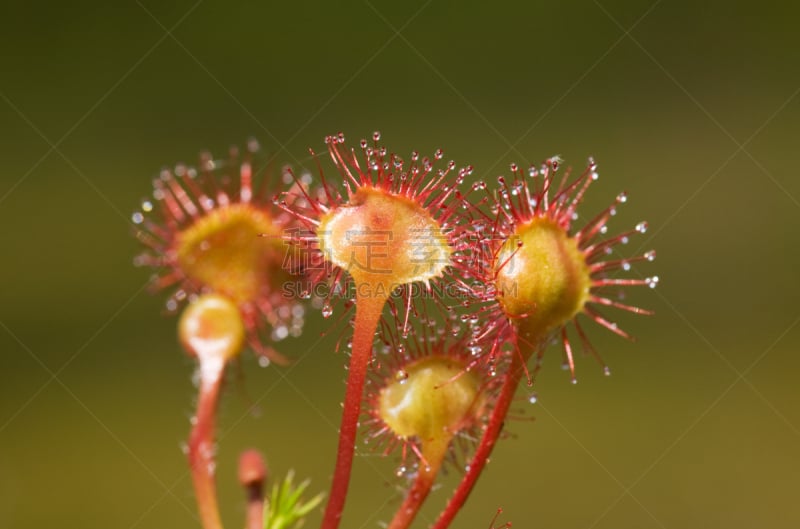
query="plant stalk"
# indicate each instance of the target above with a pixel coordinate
(201, 442)
(368, 313)
(487, 442)
(434, 453)
(252, 475)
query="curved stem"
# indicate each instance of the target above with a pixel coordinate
(488, 440)
(434, 453)
(201, 443)
(368, 313)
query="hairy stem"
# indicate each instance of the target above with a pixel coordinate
(201, 442)
(487, 442)
(368, 313)
(434, 452)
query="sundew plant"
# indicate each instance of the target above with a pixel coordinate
(453, 289)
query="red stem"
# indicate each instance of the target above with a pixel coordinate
(252, 474)
(488, 440)
(368, 313)
(201, 443)
(254, 517)
(434, 453)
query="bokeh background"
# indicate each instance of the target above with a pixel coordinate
(692, 108)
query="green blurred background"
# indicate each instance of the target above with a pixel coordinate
(691, 108)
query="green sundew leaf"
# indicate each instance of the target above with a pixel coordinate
(286, 509)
